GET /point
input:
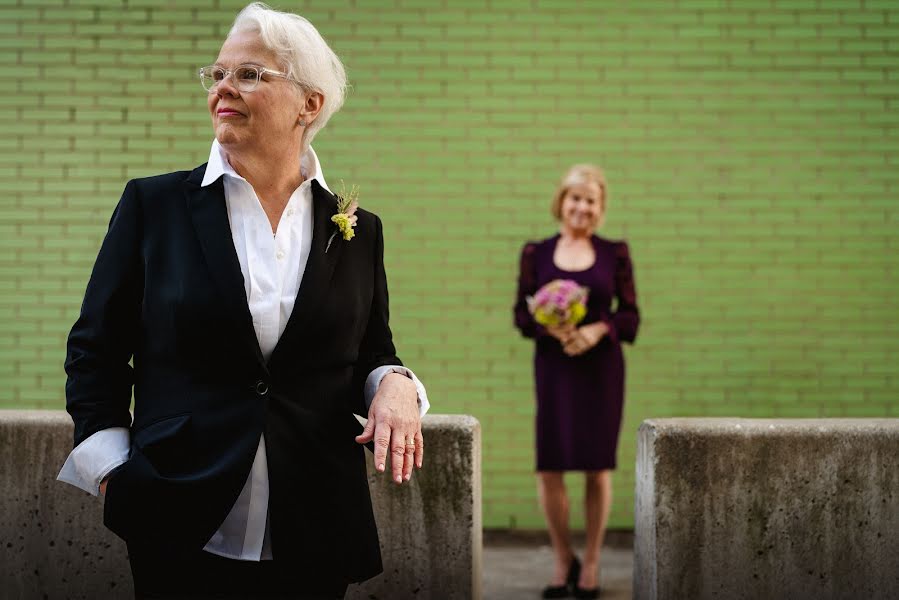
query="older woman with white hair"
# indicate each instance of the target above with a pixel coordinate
(246, 305)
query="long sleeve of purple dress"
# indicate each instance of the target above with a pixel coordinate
(625, 321)
(527, 286)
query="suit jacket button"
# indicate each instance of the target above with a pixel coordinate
(261, 388)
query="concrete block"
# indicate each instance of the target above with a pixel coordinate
(53, 543)
(52, 540)
(767, 508)
(431, 530)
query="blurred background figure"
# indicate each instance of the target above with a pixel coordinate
(578, 369)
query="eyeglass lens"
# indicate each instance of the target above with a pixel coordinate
(244, 78)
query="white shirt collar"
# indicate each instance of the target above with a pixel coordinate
(218, 165)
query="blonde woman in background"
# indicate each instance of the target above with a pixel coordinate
(579, 371)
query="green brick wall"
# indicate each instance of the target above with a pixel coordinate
(751, 150)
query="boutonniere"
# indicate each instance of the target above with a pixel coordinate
(346, 218)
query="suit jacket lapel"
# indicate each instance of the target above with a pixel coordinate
(319, 267)
(210, 217)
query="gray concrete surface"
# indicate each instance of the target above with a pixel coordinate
(763, 508)
(519, 568)
(53, 543)
(431, 530)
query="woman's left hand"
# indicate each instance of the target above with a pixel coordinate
(584, 338)
(394, 423)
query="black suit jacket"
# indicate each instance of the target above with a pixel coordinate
(167, 294)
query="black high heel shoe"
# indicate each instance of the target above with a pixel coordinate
(563, 591)
(586, 593)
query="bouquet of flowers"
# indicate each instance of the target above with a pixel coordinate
(559, 302)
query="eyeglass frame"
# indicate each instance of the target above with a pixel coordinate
(260, 71)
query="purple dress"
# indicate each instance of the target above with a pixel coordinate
(580, 398)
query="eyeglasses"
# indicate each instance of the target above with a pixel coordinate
(244, 77)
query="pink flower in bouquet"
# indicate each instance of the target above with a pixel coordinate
(559, 302)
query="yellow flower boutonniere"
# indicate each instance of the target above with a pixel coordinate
(346, 218)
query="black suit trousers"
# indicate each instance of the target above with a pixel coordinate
(202, 575)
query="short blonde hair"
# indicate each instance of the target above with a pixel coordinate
(304, 52)
(580, 175)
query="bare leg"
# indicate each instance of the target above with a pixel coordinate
(554, 501)
(598, 502)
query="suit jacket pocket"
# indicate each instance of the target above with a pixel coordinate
(166, 444)
(158, 450)
(159, 430)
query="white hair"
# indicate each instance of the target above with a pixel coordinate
(304, 53)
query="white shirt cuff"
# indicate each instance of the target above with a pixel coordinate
(374, 380)
(95, 458)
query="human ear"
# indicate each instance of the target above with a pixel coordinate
(312, 106)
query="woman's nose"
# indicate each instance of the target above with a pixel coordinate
(226, 87)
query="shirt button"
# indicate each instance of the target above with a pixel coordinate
(280, 255)
(289, 212)
(261, 388)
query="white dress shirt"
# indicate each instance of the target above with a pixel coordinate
(272, 267)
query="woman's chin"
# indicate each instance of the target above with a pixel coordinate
(580, 227)
(226, 135)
